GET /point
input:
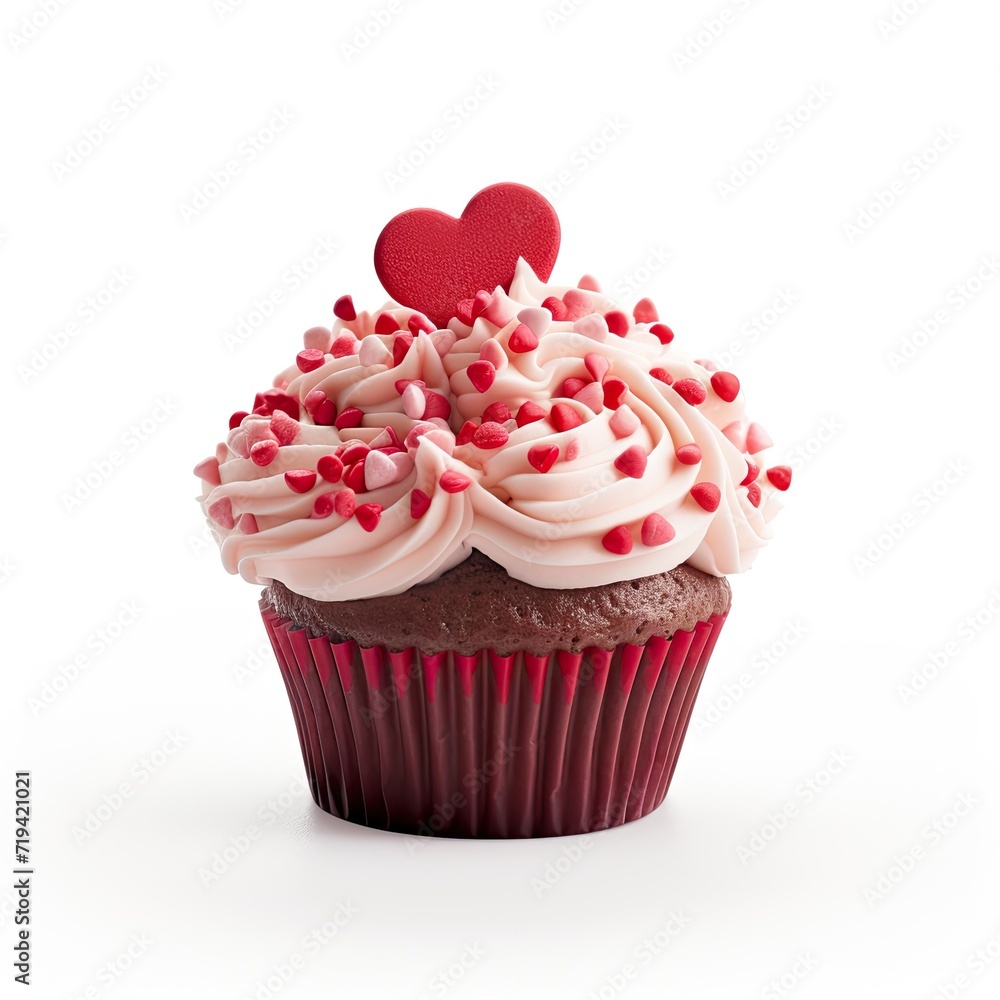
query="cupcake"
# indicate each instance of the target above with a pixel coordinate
(493, 522)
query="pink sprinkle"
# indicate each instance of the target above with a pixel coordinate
(419, 502)
(571, 387)
(707, 363)
(343, 309)
(572, 449)
(464, 436)
(597, 364)
(753, 494)
(481, 375)
(345, 345)
(757, 439)
(536, 319)
(707, 495)
(368, 515)
(528, 412)
(657, 530)
(330, 468)
(384, 438)
(345, 502)
(404, 464)
(416, 432)
(645, 312)
(240, 444)
(354, 476)
(522, 340)
(436, 406)
(691, 390)
(726, 386)
(400, 345)
(419, 323)
(386, 324)
(632, 462)
(237, 418)
(589, 282)
(492, 352)
(780, 477)
(497, 411)
(323, 505)
(454, 482)
(688, 454)
(317, 338)
(564, 417)
(592, 326)
(300, 480)
(618, 540)
(350, 417)
(752, 473)
(372, 352)
(414, 402)
(480, 303)
(221, 511)
(662, 332)
(309, 359)
(263, 453)
(615, 390)
(592, 396)
(313, 399)
(543, 456)
(557, 307)
(623, 422)
(578, 303)
(617, 322)
(380, 470)
(209, 471)
(284, 428)
(248, 524)
(489, 434)
(736, 432)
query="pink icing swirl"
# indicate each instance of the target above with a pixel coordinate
(621, 474)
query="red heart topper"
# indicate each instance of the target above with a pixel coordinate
(430, 261)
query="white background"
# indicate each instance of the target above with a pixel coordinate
(872, 443)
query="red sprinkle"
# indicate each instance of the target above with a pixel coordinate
(463, 310)
(662, 332)
(350, 417)
(313, 399)
(615, 391)
(437, 406)
(753, 494)
(589, 282)
(385, 324)
(325, 415)
(345, 502)
(400, 345)
(283, 427)
(275, 399)
(529, 412)
(419, 502)
(497, 411)
(557, 307)
(662, 375)
(688, 454)
(300, 480)
(354, 476)
(726, 386)
(780, 476)
(645, 312)
(454, 482)
(323, 506)
(481, 303)
(464, 436)
(263, 452)
(597, 365)
(222, 512)
(237, 418)
(368, 515)
(571, 387)
(632, 462)
(309, 360)
(522, 340)
(481, 375)
(209, 471)
(543, 456)
(418, 323)
(354, 452)
(343, 309)
(330, 468)
(564, 417)
(617, 322)
(489, 434)
(707, 495)
(657, 530)
(691, 390)
(344, 345)
(752, 473)
(618, 540)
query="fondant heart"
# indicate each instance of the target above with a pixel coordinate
(431, 261)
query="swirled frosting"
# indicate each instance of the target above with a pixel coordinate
(571, 443)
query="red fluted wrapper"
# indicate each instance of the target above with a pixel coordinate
(490, 745)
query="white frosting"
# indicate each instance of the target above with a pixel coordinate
(545, 528)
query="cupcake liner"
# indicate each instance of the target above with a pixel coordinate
(489, 745)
